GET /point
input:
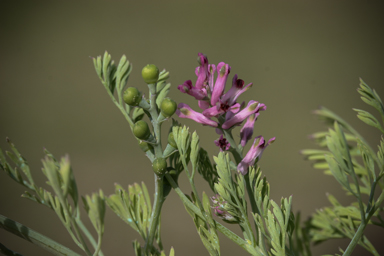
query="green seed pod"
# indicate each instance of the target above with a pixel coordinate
(159, 166)
(150, 74)
(145, 146)
(132, 96)
(141, 130)
(168, 107)
(171, 140)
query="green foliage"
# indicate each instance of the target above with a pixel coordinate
(63, 200)
(134, 208)
(276, 225)
(346, 150)
(206, 169)
(344, 154)
(139, 250)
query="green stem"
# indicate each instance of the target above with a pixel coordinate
(355, 240)
(235, 150)
(125, 114)
(88, 235)
(154, 115)
(98, 248)
(190, 179)
(156, 211)
(238, 157)
(35, 237)
(360, 231)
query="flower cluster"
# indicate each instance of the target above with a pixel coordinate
(212, 99)
(216, 103)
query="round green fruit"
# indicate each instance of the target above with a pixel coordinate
(145, 146)
(159, 166)
(141, 130)
(150, 74)
(132, 96)
(168, 107)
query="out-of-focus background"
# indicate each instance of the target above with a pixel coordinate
(298, 54)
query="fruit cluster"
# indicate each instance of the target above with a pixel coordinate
(158, 108)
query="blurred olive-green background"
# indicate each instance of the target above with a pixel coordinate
(298, 54)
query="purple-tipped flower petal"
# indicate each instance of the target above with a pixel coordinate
(252, 107)
(253, 154)
(222, 75)
(202, 71)
(222, 143)
(235, 91)
(185, 111)
(221, 108)
(188, 88)
(247, 131)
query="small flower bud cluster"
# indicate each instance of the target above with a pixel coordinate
(224, 210)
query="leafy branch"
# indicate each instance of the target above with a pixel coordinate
(64, 201)
(345, 145)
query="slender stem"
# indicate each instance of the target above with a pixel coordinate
(238, 157)
(360, 201)
(125, 114)
(156, 210)
(98, 248)
(235, 150)
(360, 231)
(88, 234)
(78, 234)
(355, 240)
(228, 233)
(35, 237)
(194, 190)
(154, 115)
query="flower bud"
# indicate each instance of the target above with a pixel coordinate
(145, 146)
(159, 166)
(150, 74)
(132, 96)
(171, 140)
(223, 210)
(141, 130)
(168, 107)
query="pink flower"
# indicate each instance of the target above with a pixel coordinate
(221, 108)
(222, 143)
(188, 88)
(212, 99)
(185, 111)
(252, 107)
(254, 154)
(202, 71)
(222, 75)
(236, 90)
(247, 131)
